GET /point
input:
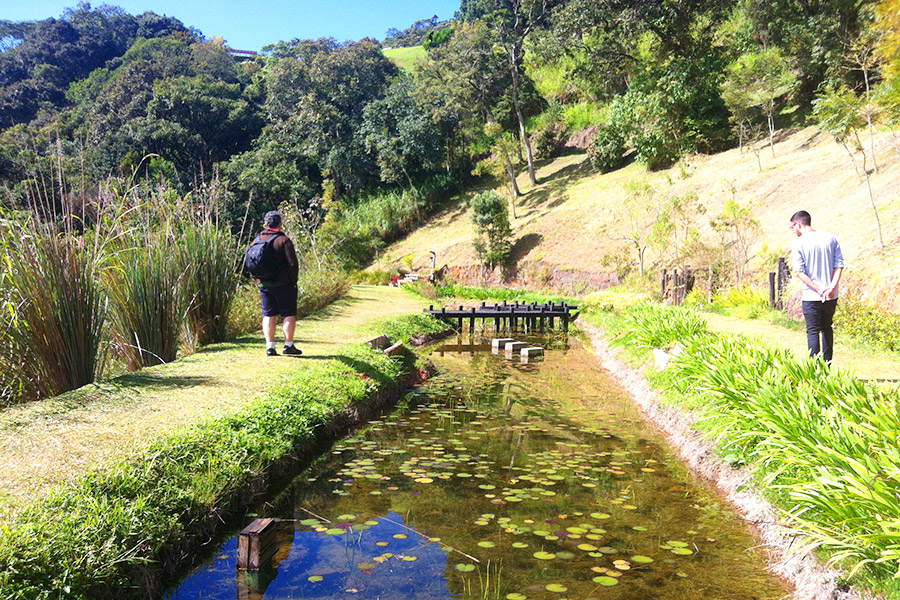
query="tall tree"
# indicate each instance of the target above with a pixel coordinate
(758, 79)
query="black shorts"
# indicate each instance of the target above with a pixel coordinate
(278, 301)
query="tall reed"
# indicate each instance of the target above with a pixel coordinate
(211, 263)
(56, 309)
(144, 286)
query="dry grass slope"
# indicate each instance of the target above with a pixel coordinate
(573, 218)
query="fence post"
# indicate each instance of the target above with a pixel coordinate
(771, 289)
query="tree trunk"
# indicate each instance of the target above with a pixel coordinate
(871, 196)
(514, 73)
(869, 121)
(771, 118)
(513, 185)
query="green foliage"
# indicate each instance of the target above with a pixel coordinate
(583, 115)
(400, 329)
(867, 323)
(211, 277)
(495, 294)
(650, 325)
(607, 149)
(493, 234)
(548, 140)
(613, 300)
(837, 111)
(758, 79)
(824, 436)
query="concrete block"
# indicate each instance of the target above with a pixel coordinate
(379, 343)
(394, 350)
(661, 358)
(500, 343)
(532, 351)
(513, 348)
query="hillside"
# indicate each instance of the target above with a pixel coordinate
(569, 228)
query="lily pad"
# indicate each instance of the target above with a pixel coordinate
(465, 567)
(605, 580)
(642, 559)
(315, 578)
(682, 551)
(544, 555)
(486, 544)
(335, 531)
(519, 545)
(516, 596)
(556, 587)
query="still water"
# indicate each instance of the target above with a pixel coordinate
(500, 480)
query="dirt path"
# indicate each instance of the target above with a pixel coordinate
(865, 364)
(46, 443)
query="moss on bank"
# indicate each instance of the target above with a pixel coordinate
(119, 531)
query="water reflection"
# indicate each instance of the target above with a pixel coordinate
(501, 480)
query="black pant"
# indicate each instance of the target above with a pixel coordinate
(818, 316)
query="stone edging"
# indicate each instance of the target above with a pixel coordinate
(810, 579)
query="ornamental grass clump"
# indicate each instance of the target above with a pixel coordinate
(144, 285)
(821, 438)
(54, 308)
(210, 259)
(650, 325)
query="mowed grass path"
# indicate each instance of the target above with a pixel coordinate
(865, 364)
(51, 442)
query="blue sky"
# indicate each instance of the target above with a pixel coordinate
(249, 25)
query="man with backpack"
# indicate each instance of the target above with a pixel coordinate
(272, 262)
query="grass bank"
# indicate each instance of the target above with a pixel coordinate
(120, 529)
(821, 444)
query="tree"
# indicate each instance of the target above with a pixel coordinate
(758, 79)
(887, 48)
(838, 111)
(502, 148)
(493, 235)
(401, 136)
(320, 98)
(737, 226)
(515, 20)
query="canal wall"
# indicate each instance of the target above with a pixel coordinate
(810, 579)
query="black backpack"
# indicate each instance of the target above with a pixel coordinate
(261, 261)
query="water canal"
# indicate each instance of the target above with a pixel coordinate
(500, 480)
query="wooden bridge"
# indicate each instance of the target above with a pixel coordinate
(530, 317)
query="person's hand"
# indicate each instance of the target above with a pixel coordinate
(828, 293)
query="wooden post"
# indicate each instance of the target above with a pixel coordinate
(771, 289)
(256, 544)
(663, 284)
(472, 320)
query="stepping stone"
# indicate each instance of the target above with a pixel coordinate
(379, 343)
(394, 350)
(500, 343)
(513, 348)
(532, 351)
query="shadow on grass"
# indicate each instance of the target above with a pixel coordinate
(363, 367)
(550, 191)
(143, 380)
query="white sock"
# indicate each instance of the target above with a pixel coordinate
(270, 345)
(288, 344)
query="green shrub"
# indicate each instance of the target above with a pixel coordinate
(612, 300)
(607, 149)
(211, 262)
(549, 140)
(866, 322)
(825, 437)
(493, 234)
(582, 115)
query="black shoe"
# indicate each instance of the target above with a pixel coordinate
(271, 352)
(291, 351)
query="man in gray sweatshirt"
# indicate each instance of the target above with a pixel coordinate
(817, 261)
